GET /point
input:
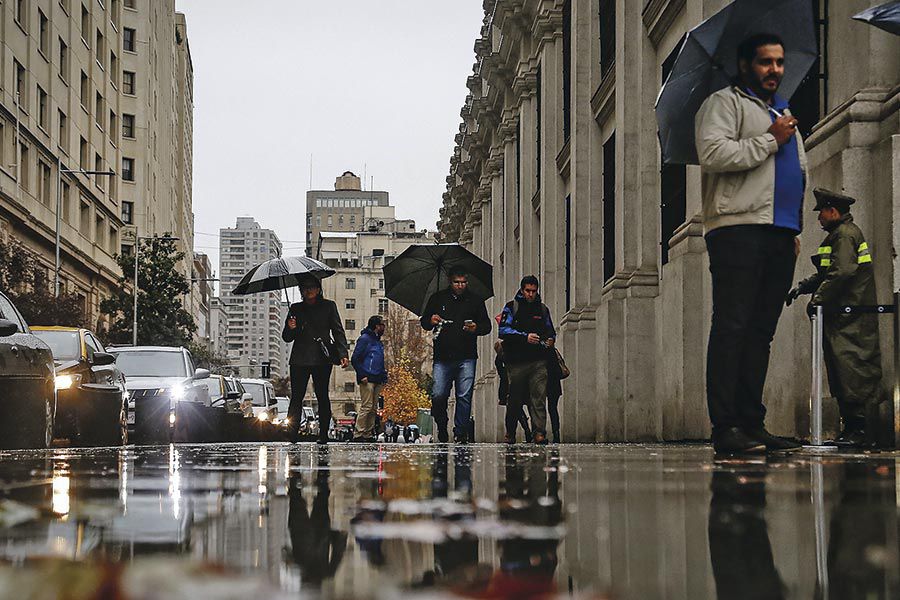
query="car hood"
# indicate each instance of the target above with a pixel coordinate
(150, 383)
(64, 365)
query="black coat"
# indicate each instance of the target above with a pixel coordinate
(454, 343)
(319, 320)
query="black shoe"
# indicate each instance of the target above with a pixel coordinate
(322, 439)
(461, 438)
(556, 437)
(773, 442)
(852, 438)
(732, 440)
(443, 436)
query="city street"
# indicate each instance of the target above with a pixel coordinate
(629, 521)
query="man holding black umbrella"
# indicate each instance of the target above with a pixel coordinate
(459, 318)
(754, 178)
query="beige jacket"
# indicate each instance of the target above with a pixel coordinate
(737, 159)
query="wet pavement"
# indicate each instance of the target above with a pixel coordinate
(485, 521)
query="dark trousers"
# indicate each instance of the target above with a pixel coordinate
(553, 411)
(752, 269)
(321, 376)
(527, 387)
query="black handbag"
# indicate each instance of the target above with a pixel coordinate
(328, 351)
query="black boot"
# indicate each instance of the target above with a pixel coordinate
(854, 432)
(732, 440)
(442, 435)
(556, 436)
(773, 442)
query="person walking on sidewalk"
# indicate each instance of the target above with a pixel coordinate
(314, 326)
(754, 178)
(462, 318)
(371, 375)
(503, 387)
(527, 332)
(844, 277)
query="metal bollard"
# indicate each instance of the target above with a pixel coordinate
(815, 392)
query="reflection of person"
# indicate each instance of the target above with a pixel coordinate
(315, 547)
(844, 277)
(371, 375)
(312, 325)
(739, 546)
(754, 177)
(455, 352)
(454, 557)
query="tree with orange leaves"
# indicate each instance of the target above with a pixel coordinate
(402, 395)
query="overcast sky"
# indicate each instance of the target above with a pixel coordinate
(372, 85)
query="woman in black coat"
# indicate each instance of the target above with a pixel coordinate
(315, 328)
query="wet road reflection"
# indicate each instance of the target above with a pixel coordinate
(472, 521)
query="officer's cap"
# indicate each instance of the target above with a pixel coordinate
(828, 199)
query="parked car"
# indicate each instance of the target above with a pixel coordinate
(282, 404)
(161, 386)
(262, 408)
(91, 395)
(27, 387)
(309, 424)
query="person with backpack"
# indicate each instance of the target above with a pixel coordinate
(527, 332)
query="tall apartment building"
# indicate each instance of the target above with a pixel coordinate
(346, 208)
(218, 325)
(200, 297)
(254, 321)
(358, 285)
(92, 85)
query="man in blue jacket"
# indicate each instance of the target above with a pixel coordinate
(371, 375)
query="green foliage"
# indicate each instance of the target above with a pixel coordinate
(26, 284)
(282, 386)
(205, 358)
(162, 319)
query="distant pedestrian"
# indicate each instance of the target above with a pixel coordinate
(503, 387)
(844, 277)
(754, 177)
(371, 375)
(555, 375)
(527, 332)
(314, 326)
(461, 318)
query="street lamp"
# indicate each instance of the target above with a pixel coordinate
(137, 253)
(59, 172)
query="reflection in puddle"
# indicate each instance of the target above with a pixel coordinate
(475, 521)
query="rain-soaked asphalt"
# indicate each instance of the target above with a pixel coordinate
(259, 521)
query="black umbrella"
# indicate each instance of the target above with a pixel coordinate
(281, 274)
(886, 16)
(707, 62)
(423, 269)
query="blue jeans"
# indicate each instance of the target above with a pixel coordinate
(461, 374)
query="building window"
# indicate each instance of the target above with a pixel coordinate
(85, 25)
(567, 69)
(128, 213)
(83, 154)
(24, 164)
(609, 208)
(44, 39)
(42, 108)
(382, 306)
(100, 50)
(607, 36)
(373, 293)
(350, 324)
(128, 82)
(568, 253)
(127, 169)
(810, 102)
(130, 3)
(128, 39)
(63, 141)
(98, 166)
(350, 303)
(673, 185)
(98, 110)
(330, 220)
(350, 283)
(349, 386)
(85, 91)
(66, 207)
(22, 13)
(113, 127)
(381, 283)
(44, 182)
(127, 126)
(114, 68)
(63, 60)
(21, 89)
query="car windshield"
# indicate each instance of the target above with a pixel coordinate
(283, 406)
(151, 363)
(257, 390)
(214, 385)
(66, 345)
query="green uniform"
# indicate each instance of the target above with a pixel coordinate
(844, 277)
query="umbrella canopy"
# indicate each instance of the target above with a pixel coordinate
(423, 269)
(886, 16)
(707, 62)
(280, 274)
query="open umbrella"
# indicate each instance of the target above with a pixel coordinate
(281, 274)
(423, 269)
(707, 62)
(886, 16)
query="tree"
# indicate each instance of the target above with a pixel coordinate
(282, 386)
(205, 358)
(25, 282)
(403, 396)
(162, 319)
(404, 337)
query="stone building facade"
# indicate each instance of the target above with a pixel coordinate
(93, 86)
(556, 172)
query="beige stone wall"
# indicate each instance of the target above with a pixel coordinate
(636, 341)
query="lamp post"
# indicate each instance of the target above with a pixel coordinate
(137, 253)
(59, 173)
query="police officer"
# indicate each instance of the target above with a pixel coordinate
(844, 277)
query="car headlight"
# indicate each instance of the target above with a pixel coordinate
(263, 416)
(64, 382)
(178, 392)
(286, 422)
(171, 418)
(276, 422)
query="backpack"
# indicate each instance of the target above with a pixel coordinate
(564, 371)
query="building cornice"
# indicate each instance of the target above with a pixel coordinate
(659, 15)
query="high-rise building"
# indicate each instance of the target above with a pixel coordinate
(218, 326)
(255, 321)
(200, 297)
(93, 86)
(346, 208)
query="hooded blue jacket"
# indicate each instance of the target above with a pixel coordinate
(518, 319)
(368, 358)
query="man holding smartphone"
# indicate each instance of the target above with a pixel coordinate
(462, 318)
